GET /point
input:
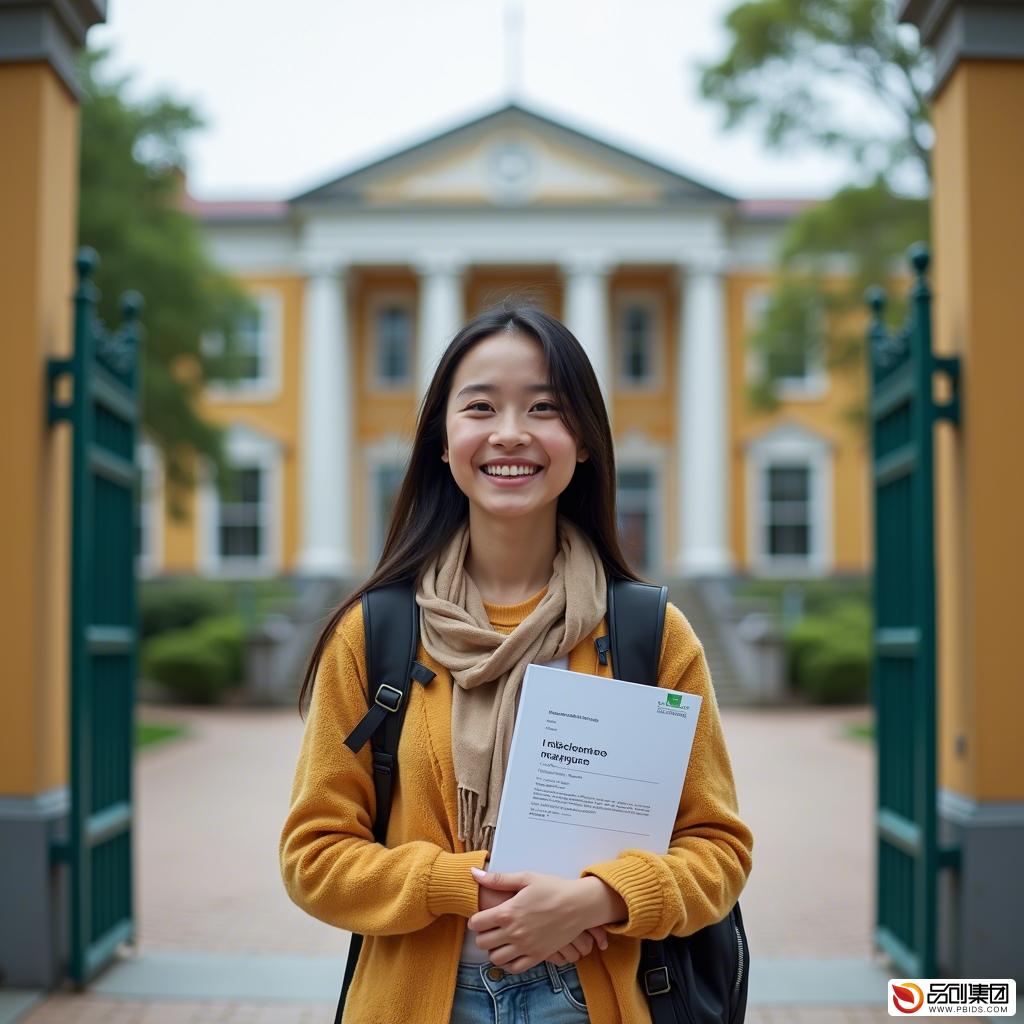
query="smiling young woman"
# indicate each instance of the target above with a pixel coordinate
(505, 524)
(512, 454)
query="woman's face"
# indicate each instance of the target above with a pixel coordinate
(501, 412)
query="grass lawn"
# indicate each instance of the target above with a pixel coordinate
(148, 734)
(861, 731)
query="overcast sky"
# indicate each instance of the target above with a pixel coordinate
(296, 92)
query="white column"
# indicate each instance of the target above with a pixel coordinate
(327, 433)
(586, 314)
(702, 423)
(441, 313)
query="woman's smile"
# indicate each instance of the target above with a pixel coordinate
(512, 476)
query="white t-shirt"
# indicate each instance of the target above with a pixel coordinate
(471, 953)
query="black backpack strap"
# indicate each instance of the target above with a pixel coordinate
(391, 629)
(636, 622)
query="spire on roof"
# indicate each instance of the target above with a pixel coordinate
(513, 48)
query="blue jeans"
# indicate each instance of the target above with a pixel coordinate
(545, 994)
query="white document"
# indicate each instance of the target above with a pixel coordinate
(596, 767)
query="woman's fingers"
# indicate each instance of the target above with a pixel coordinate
(513, 962)
(522, 963)
(489, 941)
(502, 956)
(490, 898)
(507, 881)
(581, 946)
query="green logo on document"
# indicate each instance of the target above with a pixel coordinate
(674, 700)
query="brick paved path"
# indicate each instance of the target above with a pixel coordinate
(807, 793)
(210, 811)
(210, 808)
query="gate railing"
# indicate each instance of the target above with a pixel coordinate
(103, 411)
(903, 411)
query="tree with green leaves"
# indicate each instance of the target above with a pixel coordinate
(841, 76)
(130, 212)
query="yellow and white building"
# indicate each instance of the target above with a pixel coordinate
(362, 282)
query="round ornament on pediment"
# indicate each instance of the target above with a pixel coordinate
(511, 170)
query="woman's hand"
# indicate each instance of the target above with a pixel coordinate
(546, 917)
(580, 946)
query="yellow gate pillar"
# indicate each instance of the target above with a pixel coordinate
(38, 211)
(978, 228)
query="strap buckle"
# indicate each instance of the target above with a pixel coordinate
(389, 702)
(383, 762)
(661, 981)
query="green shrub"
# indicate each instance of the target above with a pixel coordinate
(197, 665)
(830, 654)
(165, 607)
(838, 672)
(226, 632)
(811, 632)
(818, 597)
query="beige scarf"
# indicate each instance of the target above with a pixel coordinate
(488, 667)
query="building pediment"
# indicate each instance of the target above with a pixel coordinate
(241, 438)
(789, 436)
(511, 157)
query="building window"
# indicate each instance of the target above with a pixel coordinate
(253, 367)
(148, 534)
(635, 505)
(392, 332)
(242, 515)
(387, 483)
(789, 486)
(787, 518)
(789, 365)
(795, 365)
(636, 342)
(240, 532)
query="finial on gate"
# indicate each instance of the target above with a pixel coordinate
(131, 306)
(875, 298)
(86, 262)
(919, 258)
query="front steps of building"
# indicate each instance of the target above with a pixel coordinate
(693, 598)
(690, 598)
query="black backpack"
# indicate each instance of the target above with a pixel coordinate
(699, 979)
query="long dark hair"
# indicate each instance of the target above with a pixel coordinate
(430, 507)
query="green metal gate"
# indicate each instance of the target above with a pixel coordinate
(103, 411)
(903, 411)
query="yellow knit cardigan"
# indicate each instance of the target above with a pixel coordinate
(412, 897)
